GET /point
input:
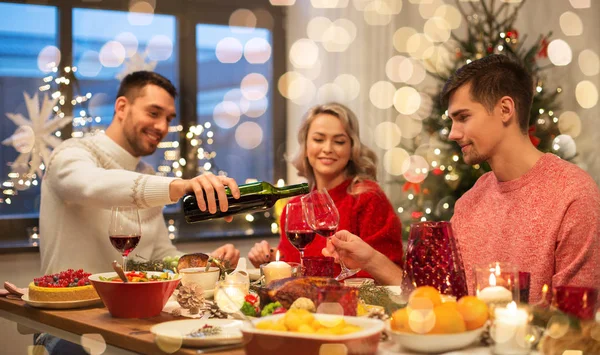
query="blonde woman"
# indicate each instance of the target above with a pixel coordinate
(332, 157)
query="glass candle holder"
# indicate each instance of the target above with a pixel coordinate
(580, 302)
(524, 284)
(340, 300)
(497, 284)
(230, 295)
(318, 266)
(510, 330)
(275, 270)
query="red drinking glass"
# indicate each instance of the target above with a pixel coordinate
(337, 299)
(582, 302)
(433, 259)
(318, 266)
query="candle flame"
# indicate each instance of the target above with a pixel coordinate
(512, 306)
(498, 272)
(492, 280)
(277, 256)
(545, 289)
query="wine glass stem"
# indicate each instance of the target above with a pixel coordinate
(301, 257)
(124, 263)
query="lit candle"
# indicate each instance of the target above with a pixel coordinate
(494, 294)
(276, 270)
(510, 331)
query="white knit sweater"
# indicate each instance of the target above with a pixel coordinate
(84, 179)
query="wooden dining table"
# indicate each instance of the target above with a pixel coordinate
(122, 336)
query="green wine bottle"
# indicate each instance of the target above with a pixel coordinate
(253, 197)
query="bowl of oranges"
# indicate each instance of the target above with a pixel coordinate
(433, 323)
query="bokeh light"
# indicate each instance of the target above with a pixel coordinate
(129, 42)
(400, 38)
(48, 58)
(559, 52)
(581, 4)
(242, 21)
(141, 13)
(426, 106)
(428, 8)
(160, 47)
(254, 86)
(407, 100)
(388, 7)
(304, 53)
(564, 146)
(418, 169)
(394, 161)
(226, 114)
(387, 135)
(589, 63)
(331, 92)
(438, 60)
(450, 14)
(399, 69)
(249, 135)
(337, 38)
(569, 123)
(571, 24)
(229, 50)
(264, 19)
(282, 2)
(374, 16)
(381, 94)
(296, 87)
(418, 74)
(316, 28)
(329, 4)
(350, 84)
(236, 96)
(410, 126)
(89, 64)
(112, 54)
(360, 5)
(257, 51)
(418, 45)
(94, 343)
(437, 29)
(586, 94)
(257, 108)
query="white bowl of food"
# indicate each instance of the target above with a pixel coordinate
(327, 334)
(433, 343)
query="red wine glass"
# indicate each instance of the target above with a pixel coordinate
(323, 217)
(124, 230)
(297, 230)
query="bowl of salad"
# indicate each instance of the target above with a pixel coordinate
(143, 296)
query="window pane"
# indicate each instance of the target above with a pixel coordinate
(28, 39)
(107, 45)
(235, 81)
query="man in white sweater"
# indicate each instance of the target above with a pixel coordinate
(87, 176)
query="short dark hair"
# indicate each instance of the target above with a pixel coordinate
(491, 78)
(133, 84)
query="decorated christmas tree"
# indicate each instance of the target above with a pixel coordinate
(490, 30)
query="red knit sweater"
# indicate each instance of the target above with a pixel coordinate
(546, 222)
(368, 214)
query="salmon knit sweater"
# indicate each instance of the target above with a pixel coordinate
(368, 214)
(546, 222)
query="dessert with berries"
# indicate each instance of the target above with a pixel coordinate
(67, 285)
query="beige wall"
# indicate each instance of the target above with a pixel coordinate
(20, 269)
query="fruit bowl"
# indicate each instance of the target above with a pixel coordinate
(134, 299)
(363, 342)
(434, 343)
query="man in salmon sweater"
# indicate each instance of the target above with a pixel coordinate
(533, 210)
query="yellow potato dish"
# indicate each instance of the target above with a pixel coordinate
(302, 321)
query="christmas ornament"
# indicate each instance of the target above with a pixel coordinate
(564, 146)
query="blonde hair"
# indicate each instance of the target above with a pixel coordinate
(363, 161)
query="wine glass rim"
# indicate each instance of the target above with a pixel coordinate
(430, 223)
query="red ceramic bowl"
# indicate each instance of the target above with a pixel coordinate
(134, 299)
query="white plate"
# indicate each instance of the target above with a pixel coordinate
(254, 274)
(179, 330)
(61, 304)
(434, 343)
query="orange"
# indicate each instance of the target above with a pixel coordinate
(399, 321)
(424, 297)
(473, 310)
(447, 321)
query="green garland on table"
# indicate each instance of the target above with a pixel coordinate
(372, 294)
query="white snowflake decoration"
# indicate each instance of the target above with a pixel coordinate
(34, 138)
(135, 63)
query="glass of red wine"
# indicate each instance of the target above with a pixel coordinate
(297, 230)
(124, 230)
(323, 217)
